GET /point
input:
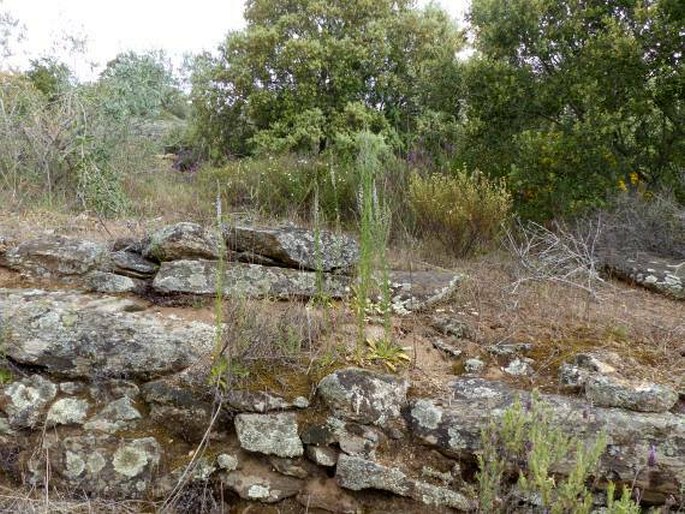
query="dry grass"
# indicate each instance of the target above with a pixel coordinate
(645, 329)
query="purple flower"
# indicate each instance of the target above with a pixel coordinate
(651, 456)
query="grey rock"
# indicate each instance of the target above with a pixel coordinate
(227, 462)
(115, 416)
(105, 282)
(474, 365)
(519, 368)
(56, 257)
(245, 280)
(509, 349)
(256, 481)
(273, 434)
(352, 438)
(650, 271)
(447, 348)
(289, 467)
(102, 465)
(296, 247)
(365, 396)
(67, 411)
(322, 455)
(182, 241)
(612, 391)
(261, 402)
(356, 473)
(81, 335)
(184, 410)
(26, 401)
(132, 265)
(456, 430)
(575, 373)
(419, 290)
(451, 326)
(326, 494)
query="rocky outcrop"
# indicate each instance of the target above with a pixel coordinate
(272, 434)
(79, 335)
(419, 290)
(655, 273)
(295, 247)
(239, 280)
(455, 430)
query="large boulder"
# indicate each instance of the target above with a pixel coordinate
(182, 241)
(241, 280)
(296, 247)
(455, 429)
(56, 257)
(80, 335)
(365, 396)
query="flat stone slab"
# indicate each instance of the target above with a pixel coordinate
(82, 335)
(419, 290)
(651, 272)
(296, 247)
(242, 280)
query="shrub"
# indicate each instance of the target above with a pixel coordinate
(464, 211)
(522, 456)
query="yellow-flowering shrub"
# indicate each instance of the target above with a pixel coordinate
(464, 210)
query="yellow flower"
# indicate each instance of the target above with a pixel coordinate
(634, 178)
(622, 185)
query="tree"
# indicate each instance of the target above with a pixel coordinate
(138, 85)
(303, 73)
(573, 100)
(49, 76)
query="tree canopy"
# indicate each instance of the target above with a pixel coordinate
(306, 74)
(570, 100)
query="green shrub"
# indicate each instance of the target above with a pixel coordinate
(527, 444)
(464, 211)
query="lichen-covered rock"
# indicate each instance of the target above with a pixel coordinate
(132, 265)
(106, 282)
(290, 467)
(182, 241)
(322, 455)
(613, 391)
(296, 247)
(649, 271)
(356, 473)
(25, 401)
(418, 290)
(474, 365)
(351, 438)
(258, 482)
(365, 396)
(56, 257)
(456, 431)
(261, 402)
(93, 337)
(272, 434)
(227, 462)
(326, 494)
(179, 407)
(67, 411)
(245, 281)
(519, 368)
(115, 416)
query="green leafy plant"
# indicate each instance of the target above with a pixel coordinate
(387, 352)
(526, 447)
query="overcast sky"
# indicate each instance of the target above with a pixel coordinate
(110, 27)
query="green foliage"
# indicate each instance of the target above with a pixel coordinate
(465, 211)
(529, 443)
(50, 77)
(569, 98)
(303, 75)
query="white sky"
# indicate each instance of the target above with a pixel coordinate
(111, 27)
